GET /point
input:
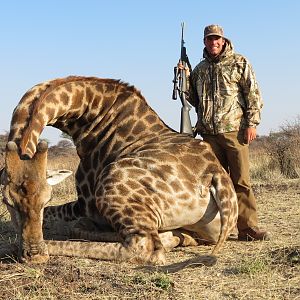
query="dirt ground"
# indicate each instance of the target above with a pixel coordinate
(244, 270)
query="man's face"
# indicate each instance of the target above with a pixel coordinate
(214, 44)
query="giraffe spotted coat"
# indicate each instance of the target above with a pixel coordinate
(136, 174)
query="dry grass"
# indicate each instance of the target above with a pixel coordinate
(244, 270)
(66, 159)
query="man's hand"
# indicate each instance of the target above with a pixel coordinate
(182, 67)
(250, 134)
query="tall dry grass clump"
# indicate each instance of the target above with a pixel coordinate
(277, 157)
(284, 148)
(263, 167)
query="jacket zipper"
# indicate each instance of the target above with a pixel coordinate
(212, 69)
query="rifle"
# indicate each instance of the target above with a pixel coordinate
(180, 89)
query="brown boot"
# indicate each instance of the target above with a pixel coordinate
(253, 234)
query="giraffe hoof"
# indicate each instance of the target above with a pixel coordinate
(158, 258)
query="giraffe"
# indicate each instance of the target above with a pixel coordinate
(136, 174)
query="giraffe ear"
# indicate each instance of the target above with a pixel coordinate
(56, 176)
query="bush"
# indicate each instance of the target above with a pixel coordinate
(283, 146)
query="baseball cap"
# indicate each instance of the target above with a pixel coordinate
(213, 30)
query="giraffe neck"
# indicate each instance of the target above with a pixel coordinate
(96, 113)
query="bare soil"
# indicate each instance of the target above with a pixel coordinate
(244, 270)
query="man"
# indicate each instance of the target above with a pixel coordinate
(225, 94)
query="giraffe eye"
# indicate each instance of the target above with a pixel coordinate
(23, 190)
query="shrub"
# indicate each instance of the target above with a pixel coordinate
(283, 146)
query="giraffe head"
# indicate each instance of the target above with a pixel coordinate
(26, 192)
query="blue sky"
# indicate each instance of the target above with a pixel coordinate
(138, 41)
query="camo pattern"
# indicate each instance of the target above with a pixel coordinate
(225, 93)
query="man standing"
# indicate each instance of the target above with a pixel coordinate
(225, 94)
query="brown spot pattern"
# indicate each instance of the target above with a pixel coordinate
(133, 168)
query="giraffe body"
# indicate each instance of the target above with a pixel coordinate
(135, 173)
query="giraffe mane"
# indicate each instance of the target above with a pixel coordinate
(51, 85)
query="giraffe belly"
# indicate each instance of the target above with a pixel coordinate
(179, 221)
(199, 211)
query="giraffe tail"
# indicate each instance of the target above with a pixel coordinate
(224, 194)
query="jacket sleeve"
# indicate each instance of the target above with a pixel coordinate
(252, 96)
(192, 93)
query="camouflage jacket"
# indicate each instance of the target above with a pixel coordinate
(224, 93)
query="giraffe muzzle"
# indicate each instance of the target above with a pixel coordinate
(36, 253)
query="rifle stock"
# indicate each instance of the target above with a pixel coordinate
(185, 121)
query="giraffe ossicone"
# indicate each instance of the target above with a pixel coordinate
(136, 175)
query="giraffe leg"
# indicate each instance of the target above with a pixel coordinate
(186, 237)
(175, 238)
(64, 212)
(145, 248)
(168, 240)
(87, 229)
(136, 248)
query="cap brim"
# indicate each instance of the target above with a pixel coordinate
(210, 34)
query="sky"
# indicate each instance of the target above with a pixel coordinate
(138, 41)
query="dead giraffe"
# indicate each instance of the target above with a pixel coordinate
(135, 173)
